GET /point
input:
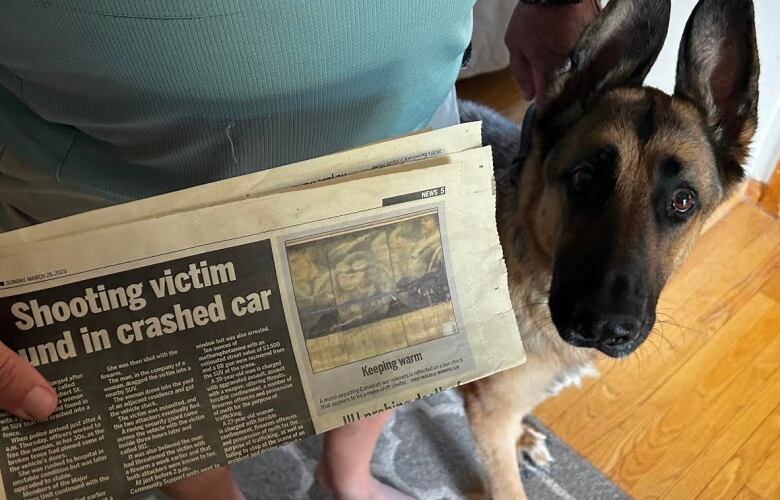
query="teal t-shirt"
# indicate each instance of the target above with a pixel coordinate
(129, 99)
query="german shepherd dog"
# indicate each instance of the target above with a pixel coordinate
(607, 199)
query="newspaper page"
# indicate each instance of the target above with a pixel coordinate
(415, 147)
(189, 339)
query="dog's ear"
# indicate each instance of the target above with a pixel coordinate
(718, 70)
(616, 50)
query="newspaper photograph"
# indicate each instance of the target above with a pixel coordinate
(199, 336)
(371, 290)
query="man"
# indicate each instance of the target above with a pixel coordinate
(105, 102)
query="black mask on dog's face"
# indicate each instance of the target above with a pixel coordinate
(630, 173)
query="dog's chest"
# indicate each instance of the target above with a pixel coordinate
(541, 340)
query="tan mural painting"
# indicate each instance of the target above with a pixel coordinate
(372, 290)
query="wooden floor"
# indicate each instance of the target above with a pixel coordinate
(695, 413)
(497, 90)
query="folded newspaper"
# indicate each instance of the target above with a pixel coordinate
(203, 327)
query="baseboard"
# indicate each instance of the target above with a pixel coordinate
(766, 197)
(754, 190)
(769, 201)
(735, 199)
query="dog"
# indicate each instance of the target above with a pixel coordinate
(605, 197)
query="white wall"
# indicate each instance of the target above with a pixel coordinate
(766, 146)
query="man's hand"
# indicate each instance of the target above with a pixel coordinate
(23, 391)
(539, 38)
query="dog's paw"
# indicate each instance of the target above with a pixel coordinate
(532, 447)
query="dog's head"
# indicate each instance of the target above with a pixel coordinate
(625, 175)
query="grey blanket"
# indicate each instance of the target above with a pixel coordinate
(428, 452)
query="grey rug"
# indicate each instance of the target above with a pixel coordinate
(426, 451)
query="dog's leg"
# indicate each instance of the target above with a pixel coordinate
(495, 407)
(496, 432)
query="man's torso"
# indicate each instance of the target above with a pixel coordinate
(131, 99)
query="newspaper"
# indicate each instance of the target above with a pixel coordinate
(204, 327)
(438, 144)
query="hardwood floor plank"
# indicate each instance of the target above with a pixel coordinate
(731, 241)
(497, 90)
(765, 483)
(746, 494)
(697, 418)
(658, 421)
(734, 474)
(724, 307)
(772, 287)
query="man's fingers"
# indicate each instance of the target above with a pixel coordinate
(23, 391)
(521, 69)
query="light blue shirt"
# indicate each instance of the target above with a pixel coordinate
(129, 99)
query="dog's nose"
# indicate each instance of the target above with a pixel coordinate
(613, 334)
(616, 332)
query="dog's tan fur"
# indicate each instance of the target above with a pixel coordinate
(532, 218)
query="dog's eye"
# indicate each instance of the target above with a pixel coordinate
(582, 179)
(683, 200)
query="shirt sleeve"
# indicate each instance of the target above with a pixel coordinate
(549, 2)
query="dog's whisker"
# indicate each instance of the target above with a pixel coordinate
(655, 344)
(683, 331)
(661, 334)
(683, 328)
(633, 362)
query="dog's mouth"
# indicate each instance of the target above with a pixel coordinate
(621, 350)
(613, 348)
(616, 336)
